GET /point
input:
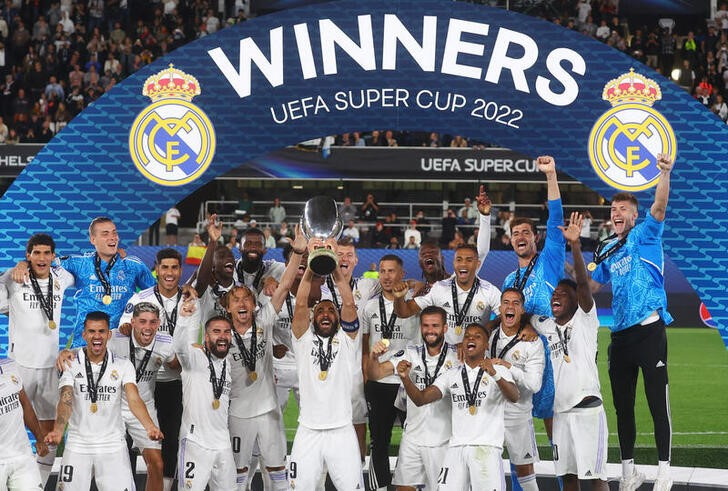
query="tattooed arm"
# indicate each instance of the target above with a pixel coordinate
(63, 414)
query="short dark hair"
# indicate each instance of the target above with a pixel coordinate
(516, 290)
(168, 253)
(216, 318)
(96, 221)
(40, 239)
(479, 326)
(624, 196)
(521, 220)
(392, 257)
(346, 241)
(254, 231)
(434, 310)
(97, 315)
(568, 282)
(469, 247)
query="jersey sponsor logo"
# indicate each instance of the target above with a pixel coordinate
(625, 141)
(172, 141)
(129, 308)
(399, 353)
(543, 319)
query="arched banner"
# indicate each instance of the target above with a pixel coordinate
(443, 66)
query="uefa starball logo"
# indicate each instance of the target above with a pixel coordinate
(172, 142)
(625, 141)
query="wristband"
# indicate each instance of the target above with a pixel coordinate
(350, 326)
(497, 376)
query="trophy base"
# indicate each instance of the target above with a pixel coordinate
(323, 261)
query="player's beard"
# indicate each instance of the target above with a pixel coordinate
(219, 352)
(438, 341)
(252, 264)
(323, 334)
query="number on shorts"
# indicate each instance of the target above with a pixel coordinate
(556, 452)
(442, 477)
(190, 470)
(67, 473)
(293, 472)
(236, 444)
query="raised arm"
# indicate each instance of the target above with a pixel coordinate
(64, 409)
(547, 165)
(662, 191)
(419, 397)
(139, 410)
(377, 370)
(484, 207)
(301, 314)
(348, 305)
(583, 287)
(204, 272)
(404, 308)
(289, 275)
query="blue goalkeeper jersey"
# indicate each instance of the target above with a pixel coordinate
(125, 276)
(636, 272)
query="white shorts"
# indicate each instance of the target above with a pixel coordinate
(198, 466)
(358, 403)
(418, 465)
(580, 442)
(286, 381)
(267, 431)
(520, 439)
(472, 467)
(41, 386)
(137, 432)
(336, 450)
(20, 474)
(111, 469)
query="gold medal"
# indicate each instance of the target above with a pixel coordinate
(323, 374)
(253, 376)
(52, 324)
(567, 358)
(106, 299)
(591, 266)
(216, 404)
(472, 410)
(458, 330)
(94, 407)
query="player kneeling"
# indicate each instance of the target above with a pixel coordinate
(580, 423)
(478, 394)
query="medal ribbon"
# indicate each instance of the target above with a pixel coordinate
(249, 356)
(324, 359)
(170, 319)
(332, 288)
(145, 361)
(519, 283)
(104, 277)
(599, 257)
(564, 337)
(440, 361)
(460, 314)
(471, 397)
(93, 385)
(217, 384)
(387, 326)
(507, 347)
(46, 303)
(289, 306)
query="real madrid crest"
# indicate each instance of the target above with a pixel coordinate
(172, 141)
(480, 305)
(114, 374)
(625, 141)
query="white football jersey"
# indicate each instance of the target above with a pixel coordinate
(527, 364)
(32, 343)
(326, 403)
(101, 431)
(579, 379)
(210, 301)
(250, 397)
(12, 428)
(161, 353)
(428, 425)
(271, 268)
(485, 301)
(282, 331)
(404, 331)
(487, 425)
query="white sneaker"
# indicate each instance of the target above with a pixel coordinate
(662, 484)
(633, 482)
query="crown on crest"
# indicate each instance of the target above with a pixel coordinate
(632, 87)
(171, 83)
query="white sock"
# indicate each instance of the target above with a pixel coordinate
(528, 483)
(167, 483)
(45, 464)
(279, 480)
(663, 468)
(241, 480)
(627, 468)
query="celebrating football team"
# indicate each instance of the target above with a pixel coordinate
(196, 377)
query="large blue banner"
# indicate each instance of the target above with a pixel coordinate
(443, 66)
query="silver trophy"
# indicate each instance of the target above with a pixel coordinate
(321, 219)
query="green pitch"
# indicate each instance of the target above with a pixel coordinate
(698, 371)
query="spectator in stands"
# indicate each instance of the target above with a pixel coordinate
(457, 241)
(468, 210)
(390, 224)
(197, 242)
(358, 140)
(464, 224)
(344, 140)
(703, 96)
(393, 243)
(449, 221)
(54, 88)
(390, 139)
(347, 211)
(412, 235)
(276, 213)
(652, 50)
(686, 77)
(376, 140)
(589, 28)
(380, 239)
(587, 244)
(667, 51)
(284, 234)
(583, 10)
(351, 231)
(3, 131)
(253, 223)
(270, 241)
(410, 244)
(721, 17)
(503, 243)
(232, 242)
(603, 31)
(458, 142)
(171, 220)
(369, 209)
(720, 108)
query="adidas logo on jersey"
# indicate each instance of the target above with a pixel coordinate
(527, 456)
(446, 305)
(79, 375)
(454, 386)
(92, 277)
(375, 316)
(588, 473)
(418, 369)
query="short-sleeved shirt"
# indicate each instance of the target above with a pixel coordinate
(580, 378)
(210, 301)
(487, 425)
(126, 276)
(282, 334)
(637, 275)
(549, 267)
(101, 431)
(31, 342)
(485, 301)
(325, 404)
(269, 268)
(427, 425)
(14, 439)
